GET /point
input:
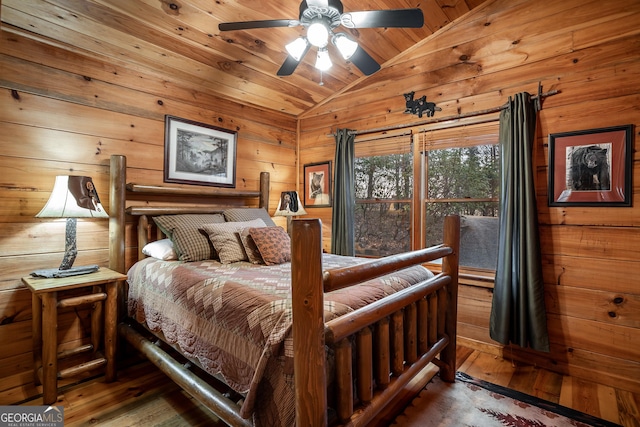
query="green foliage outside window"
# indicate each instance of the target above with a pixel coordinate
(384, 187)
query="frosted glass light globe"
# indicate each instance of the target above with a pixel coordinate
(318, 34)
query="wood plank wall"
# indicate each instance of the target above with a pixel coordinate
(590, 52)
(65, 112)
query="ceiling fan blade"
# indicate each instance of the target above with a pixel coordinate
(395, 18)
(247, 25)
(290, 64)
(364, 62)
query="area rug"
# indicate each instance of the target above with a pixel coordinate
(476, 403)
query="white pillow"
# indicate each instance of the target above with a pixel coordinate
(160, 249)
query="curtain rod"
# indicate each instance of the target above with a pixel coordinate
(539, 96)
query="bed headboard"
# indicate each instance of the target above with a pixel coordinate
(129, 200)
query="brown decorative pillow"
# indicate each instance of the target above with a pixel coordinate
(247, 214)
(190, 243)
(226, 239)
(252, 251)
(273, 243)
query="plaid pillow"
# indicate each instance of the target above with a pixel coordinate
(190, 243)
(247, 214)
(226, 239)
(250, 248)
(273, 243)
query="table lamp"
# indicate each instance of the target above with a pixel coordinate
(72, 197)
(289, 206)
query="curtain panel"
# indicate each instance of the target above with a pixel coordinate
(342, 227)
(518, 314)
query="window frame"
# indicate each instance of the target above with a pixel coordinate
(483, 133)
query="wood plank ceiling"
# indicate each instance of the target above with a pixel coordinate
(179, 40)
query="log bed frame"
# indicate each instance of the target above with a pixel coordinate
(378, 348)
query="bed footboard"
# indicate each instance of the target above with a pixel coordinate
(379, 347)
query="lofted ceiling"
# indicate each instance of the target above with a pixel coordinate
(179, 41)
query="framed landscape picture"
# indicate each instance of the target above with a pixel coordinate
(317, 185)
(591, 167)
(197, 153)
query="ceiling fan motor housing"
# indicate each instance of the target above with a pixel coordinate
(330, 15)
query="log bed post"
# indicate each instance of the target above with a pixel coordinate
(308, 325)
(450, 267)
(117, 197)
(264, 191)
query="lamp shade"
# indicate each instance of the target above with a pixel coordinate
(345, 45)
(73, 197)
(323, 61)
(290, 204)
(297, 48)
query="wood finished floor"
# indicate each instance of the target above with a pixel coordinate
(143, 396)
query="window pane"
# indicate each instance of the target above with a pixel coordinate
(384, 177)
(384, 186)
(456, 174)
(465, 172)
(478, 234)
(382, 228)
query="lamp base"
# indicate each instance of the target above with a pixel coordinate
(73, 271)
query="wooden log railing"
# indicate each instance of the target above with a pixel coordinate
(392, 339)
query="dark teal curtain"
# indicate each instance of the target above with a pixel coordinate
(344, 200)
(518, 313)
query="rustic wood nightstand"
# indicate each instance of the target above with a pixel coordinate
(45, 304)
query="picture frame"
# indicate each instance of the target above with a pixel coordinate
(198, 153)
(317, 185)
(591, 167)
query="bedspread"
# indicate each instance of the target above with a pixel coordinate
(235, 319)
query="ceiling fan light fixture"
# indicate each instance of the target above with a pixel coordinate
(345, 45)
(318, 33)
(323, 62)
(297, 48)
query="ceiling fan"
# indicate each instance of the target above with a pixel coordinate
(321, 18)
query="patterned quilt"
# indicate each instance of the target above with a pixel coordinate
(235, 319)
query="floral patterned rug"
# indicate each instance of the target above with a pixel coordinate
(476, 403)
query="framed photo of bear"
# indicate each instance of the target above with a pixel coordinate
(591, 167)
(317, 185)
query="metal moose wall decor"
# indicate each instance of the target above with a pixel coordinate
(419, 106)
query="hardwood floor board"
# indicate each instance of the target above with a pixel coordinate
(587, 394)
(548, 385)
(566, 392)
(169, 409)
(492, 368)
(628, 408)
(107, 400)
(524, 379)
(462, 354)
(468, 361)
(607, 403)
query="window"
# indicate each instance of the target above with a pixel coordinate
(461, 175)
(458, 173)
(384, 188)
